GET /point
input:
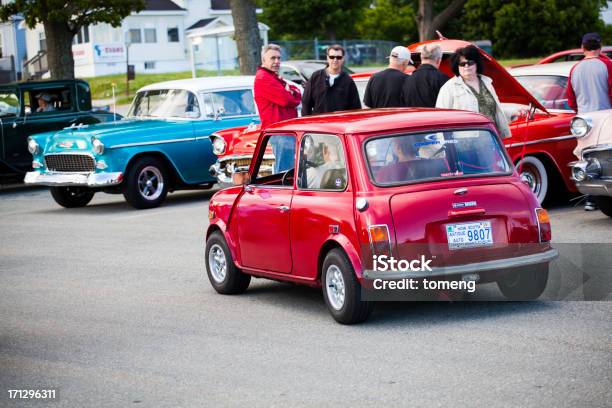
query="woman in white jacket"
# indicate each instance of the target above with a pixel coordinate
(470, 90)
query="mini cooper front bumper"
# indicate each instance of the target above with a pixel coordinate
(58, 179)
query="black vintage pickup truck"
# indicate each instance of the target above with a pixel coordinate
(33, 107)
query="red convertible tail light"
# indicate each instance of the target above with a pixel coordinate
(379, 240)
(543, 225)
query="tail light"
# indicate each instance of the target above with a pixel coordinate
(543, 225)
(380, 243)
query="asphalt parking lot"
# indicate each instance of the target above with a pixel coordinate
(111, 306)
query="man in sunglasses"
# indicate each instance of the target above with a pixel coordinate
(384, 89)
(330, 89)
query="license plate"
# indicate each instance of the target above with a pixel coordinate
(469, 235)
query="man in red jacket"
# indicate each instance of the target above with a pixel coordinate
(276, 100)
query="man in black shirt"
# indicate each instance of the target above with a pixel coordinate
(330, 89)
(422, 87)
(384, 89)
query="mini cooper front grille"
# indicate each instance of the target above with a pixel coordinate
(72, 163)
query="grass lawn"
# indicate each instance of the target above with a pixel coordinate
(519, 61)
(101, 87)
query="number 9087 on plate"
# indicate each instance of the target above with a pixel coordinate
(469, 235)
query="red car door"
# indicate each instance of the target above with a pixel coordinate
(263, 212)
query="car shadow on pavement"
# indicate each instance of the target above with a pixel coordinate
(307, 300)
(174, 200)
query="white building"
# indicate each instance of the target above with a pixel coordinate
(161, 38)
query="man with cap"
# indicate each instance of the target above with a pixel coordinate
(44, 102)
(384, 89)
(589, 87)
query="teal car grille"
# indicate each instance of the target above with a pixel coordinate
(70, 163)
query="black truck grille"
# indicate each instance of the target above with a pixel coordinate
(76, 163)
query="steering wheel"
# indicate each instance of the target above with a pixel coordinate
(287, 174)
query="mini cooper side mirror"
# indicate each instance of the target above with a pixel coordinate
(240, 178)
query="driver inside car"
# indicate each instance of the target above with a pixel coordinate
(331, 160)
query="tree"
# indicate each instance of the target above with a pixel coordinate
(527, 28)
(391, 20)
(246, 34)
(63, 19)
(428, 22)
(325, 19)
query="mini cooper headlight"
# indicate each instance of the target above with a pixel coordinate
(219, 146)
(98, 146)
(581, 126)
(33, 147)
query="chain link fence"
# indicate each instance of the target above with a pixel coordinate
(358, 52)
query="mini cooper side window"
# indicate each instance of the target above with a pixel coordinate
(278, 163)
(321, 164)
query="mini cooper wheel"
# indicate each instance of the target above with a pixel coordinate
(222, 273)
(146, 183)
(533, 173)
(604, 204)
(72, 197)
(342, 291)
(526, 283)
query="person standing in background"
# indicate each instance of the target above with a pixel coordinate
(330, 89)
(384, 89)
(422, 87)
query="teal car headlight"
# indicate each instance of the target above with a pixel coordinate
(98, 146)
(33, 147)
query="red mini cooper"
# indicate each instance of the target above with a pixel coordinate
(347, 188)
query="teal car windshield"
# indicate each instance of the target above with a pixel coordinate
(165, 103)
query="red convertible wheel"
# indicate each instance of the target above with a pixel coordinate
(534, 174)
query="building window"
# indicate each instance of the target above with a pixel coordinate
(149, 64)
(150, 35)
(173, 35)
(135, 36)
(42, 42)
(82, 36)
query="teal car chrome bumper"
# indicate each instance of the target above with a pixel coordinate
(73, 179)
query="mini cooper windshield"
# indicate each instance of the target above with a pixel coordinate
(409, 158)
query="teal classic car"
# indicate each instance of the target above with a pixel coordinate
(162, 145)
(28, 108)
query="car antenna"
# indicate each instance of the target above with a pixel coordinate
(440, 35)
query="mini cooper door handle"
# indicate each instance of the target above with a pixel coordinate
(283, 208)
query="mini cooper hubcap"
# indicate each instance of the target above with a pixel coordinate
(217, 263)
(334, 285)
(150, 183)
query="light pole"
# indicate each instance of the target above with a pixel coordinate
(194, 41)
(128, 42)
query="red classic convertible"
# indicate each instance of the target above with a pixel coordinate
(431, 188)
(541, 144)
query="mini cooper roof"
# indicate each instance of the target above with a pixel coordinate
(381, 121)
(204, 84)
